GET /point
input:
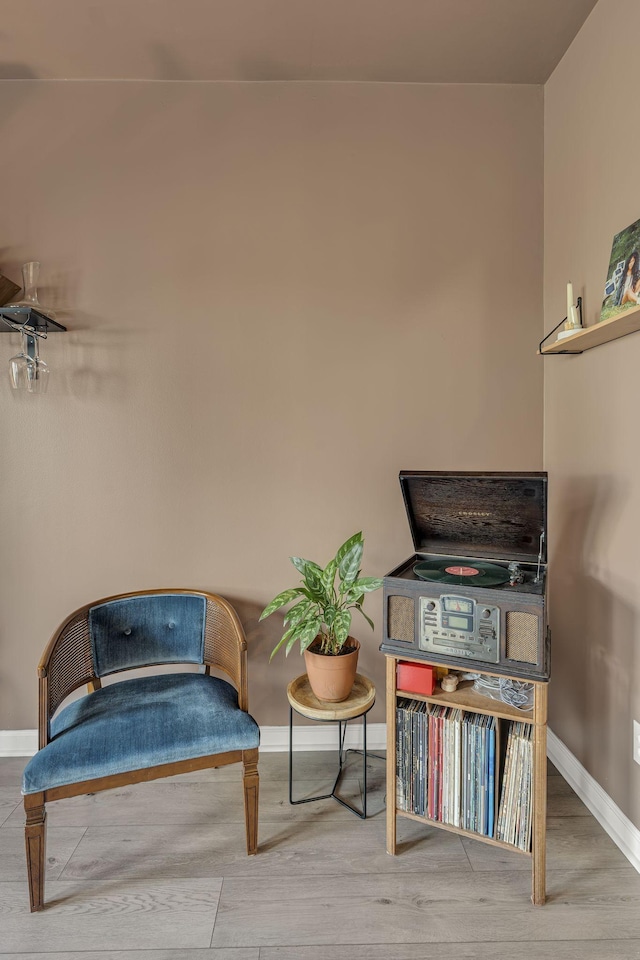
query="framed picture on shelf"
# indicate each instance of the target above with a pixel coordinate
(622, 288)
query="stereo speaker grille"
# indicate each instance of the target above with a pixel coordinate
(522, 637)
(401, 611)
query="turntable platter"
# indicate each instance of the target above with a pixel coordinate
(475, 573)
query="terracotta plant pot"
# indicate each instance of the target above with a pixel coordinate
(332, 677)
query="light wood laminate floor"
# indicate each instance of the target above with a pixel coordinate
(158, 872)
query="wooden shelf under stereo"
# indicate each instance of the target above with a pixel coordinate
(597, 333)
(467, 699)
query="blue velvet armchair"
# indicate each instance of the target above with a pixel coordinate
(144, 727)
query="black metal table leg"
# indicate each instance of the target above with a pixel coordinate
(293, 802)
(342, 754)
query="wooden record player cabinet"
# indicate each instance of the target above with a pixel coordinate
(469, 700)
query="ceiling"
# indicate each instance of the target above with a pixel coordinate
(403, 41)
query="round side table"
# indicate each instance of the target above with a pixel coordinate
(302, 699)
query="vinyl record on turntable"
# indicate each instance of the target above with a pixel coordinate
(474, 573)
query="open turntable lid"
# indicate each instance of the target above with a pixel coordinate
(492, 515)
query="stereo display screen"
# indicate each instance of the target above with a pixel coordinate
(459, 623)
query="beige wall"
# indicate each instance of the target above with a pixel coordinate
(278, 295)
(591, 405)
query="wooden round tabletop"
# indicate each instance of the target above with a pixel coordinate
(305, 702)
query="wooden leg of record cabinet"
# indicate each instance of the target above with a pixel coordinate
(539, 826)
(391, 755)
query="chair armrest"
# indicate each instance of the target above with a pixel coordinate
(66, 664)
(225, 645)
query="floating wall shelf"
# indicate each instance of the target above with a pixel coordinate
(27, 316)
(598, 333)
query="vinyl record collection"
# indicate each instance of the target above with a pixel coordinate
(515, 812)
(448, 769)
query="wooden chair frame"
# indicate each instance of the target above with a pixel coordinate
(67, 664)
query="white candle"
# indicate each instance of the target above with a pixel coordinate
(569, 300)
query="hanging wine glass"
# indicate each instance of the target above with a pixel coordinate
(38, 371)
(20, 372)
(26, 370)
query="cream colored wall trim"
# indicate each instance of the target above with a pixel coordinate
(321, 736)
(317, 736)
(622, 831)
(18, 743)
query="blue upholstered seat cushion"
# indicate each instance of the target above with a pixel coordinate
(140, 723)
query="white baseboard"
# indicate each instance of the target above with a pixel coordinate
(18, 743)
(622, 831)
(319, 736)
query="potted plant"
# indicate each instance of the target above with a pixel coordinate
(320, 618)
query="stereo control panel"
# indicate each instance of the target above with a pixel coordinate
(460, 627)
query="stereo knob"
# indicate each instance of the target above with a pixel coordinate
(431, 605)
(486, 614)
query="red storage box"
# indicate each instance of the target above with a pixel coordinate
(416, 677)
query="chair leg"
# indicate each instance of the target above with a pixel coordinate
(35, 834)
(251, 782)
